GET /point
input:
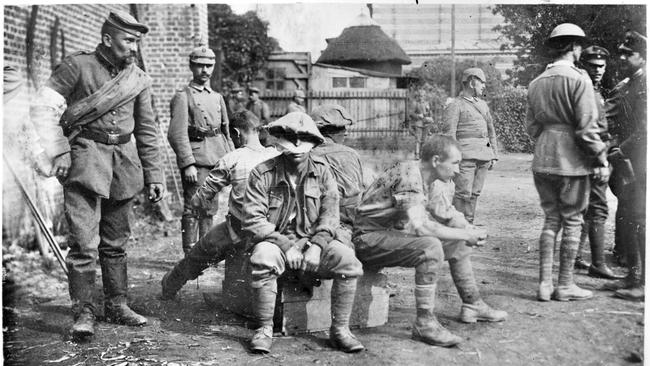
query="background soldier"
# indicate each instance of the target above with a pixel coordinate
(420, 121)
(629, 111)
(261, 111)
(468, 120)
(101, 168)
(568, 149)
(296, 104)
(594, 60)
(199, 134)
(236, 101)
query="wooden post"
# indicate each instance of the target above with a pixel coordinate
(453, 51)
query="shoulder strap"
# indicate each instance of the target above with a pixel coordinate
(475, 107)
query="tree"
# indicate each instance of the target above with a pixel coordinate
(243, 40)
(527, 27)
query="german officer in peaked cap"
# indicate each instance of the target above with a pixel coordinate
(594, 60)
(104, 148)
(199, 135)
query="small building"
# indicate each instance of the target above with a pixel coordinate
(285, 71)
(335, 77)
(364, 45)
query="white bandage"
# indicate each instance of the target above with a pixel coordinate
(303, 146)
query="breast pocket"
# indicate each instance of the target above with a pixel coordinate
(275, 206)
(312, 203)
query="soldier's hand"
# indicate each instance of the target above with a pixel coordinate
(476, 236)
(294, 257)
(61, 165)
(156, 191)
(190, 174)
(311, 259)
(43, 164)
(601, 174)
(492, 162)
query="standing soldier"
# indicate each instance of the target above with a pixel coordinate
(236, 101)
(468, 120)
(261, 111)
(199, 134)
(99, 162)
(630, 113)
(594, 61)
(296, 104)
(420, 121)
(562, 117)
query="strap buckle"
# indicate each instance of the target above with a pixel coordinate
(112, 138)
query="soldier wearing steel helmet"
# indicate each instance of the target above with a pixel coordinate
(594, 60)
(562, 117)
(628, 113)
(199, 135)
(291, 212)
(468, 120)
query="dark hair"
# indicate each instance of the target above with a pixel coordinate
(558, 46)
(244, 120)
(437, 145)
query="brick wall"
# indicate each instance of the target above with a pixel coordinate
(174, 30)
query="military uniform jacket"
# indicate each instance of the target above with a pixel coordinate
(210, 113)
(114, 171)
(270, 199)
(468, 120)
(563, 117)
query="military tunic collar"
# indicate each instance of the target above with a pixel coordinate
(106, 58)
(200, 87)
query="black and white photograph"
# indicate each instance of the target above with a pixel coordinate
(326, 183)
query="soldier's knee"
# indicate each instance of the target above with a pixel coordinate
(341, 260)
(431, 248)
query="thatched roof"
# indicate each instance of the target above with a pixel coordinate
(364, 41)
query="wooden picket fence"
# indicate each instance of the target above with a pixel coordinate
(376, 113)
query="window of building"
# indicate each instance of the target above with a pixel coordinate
(275, 78)
(339, 82)
(357, 82)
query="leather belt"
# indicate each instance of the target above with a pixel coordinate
(105, 138)
(198, 134)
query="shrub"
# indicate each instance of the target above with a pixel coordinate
(509, 113)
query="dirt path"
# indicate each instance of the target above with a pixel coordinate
(602, 331)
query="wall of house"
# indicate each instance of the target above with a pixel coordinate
(321, 79)
(61, 30)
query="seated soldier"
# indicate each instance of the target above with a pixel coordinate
(391, 228)
(292, 214)
(233, 169)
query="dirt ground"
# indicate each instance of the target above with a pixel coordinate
(188, 331)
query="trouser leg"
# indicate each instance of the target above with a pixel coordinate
(463, 277)
(464, 181)
(480, 175)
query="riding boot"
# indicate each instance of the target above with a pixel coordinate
(343, 291)
(205, 223)
(472, 209)
(263, 310)
(81, 285)
(114, 277)
(598, 266)
(636, 292)
(463, 206)
(189, 231)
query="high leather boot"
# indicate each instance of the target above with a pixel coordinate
(546, 248)
(343, 291)
(566, 289)
(636, 292)
(81, 285)
(205, 224)
(263, 309)
(114, 277)
(598, 266)
(189, 232)
(172, 282)
(472, 209)
(473, 309)
(426, 327)
(463, 206)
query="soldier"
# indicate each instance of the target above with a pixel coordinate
(594, 60)
(233, 169)
(198, 133)
(630, 103)
(420, 121)
(236, 102)
(568, 149)
(100, 165)
(291, 212)
(296, 104)
(332, 121)
(468, 120)
(392, 229)
(261, 111)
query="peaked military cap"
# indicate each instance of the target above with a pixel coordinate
(126, 22)
(253, 89)
(473, 71)
(202, 55)
(634, 42)
(594, 53)
(331, 115)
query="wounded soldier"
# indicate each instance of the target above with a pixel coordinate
(392, 229)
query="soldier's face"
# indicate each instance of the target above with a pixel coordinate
(477, 86)
(595, 69)
(633, 61)
(201, 72)
(124, 45)
(446, 166)
(254, 97)
(297, 151)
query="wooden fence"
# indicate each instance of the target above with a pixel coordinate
(376, 113)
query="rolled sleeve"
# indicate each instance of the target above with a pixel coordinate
(177, 133)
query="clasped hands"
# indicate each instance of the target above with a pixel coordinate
(307, 261)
